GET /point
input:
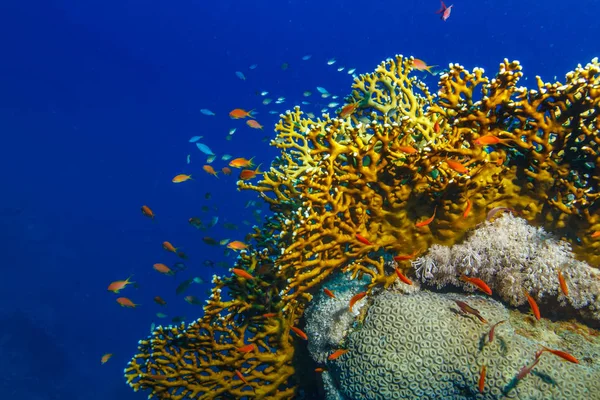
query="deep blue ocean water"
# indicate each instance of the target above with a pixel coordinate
(97, 102)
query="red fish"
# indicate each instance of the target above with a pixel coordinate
(239, 375)
(467, 309)
(348, 109)
(147, 212)
(329, 293)
(421, 65)
(249, 173)
(405, 257)
(445, 11)
(247, 348)
(407, 149)
(563, 284)
(493, 329)
(125, 302)
(562, 354)
(363, 240)
(269, 315)
(117, 286)
(356, 298)
(467, 209)
(487, 140)
(242, 274)
(299, 333)
(427, 221)
(482, 379)
(481, 285)
(240, 113)
(458, 167)
(337, 354)
(595, 234)
(403, 278)
(533, 305)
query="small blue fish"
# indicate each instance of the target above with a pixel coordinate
(206, 111)
(205, 149)
(240, 75)
(307, 57)
(253, 66)
(194, 139)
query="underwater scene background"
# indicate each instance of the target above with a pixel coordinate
(467, 220)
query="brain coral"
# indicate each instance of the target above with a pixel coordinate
(420, 346)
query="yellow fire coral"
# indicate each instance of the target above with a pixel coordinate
(404, 170)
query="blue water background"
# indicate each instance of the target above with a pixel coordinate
(98, 101)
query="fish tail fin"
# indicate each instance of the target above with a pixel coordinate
(442, 8)
(252, 113)
(250, 163)
(257, 169)
(429, 69)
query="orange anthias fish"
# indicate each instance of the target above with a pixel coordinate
(247, 348)
(420, 65)
(242, 274)
(246, 174)
(595, 235)
(427, 221)
(482, 379)
(356, 298)
(237, 245)
(403, 277)
(163, 269)
(348, 110)
(240, 113)
(563, 284)
(210, 170)
(241, 377)
(252, 123)
(467, 309)
(562, 354)
(363, 240)
(299, 333)
(487, 140)
(169, 247)
(445, 11)
(147, 212)
(458, 167)
(181, 178)
(117, 286)
(534, 307)
(467, 209)
(405, 257)
(337, 354)
(105, 358)
(407, 149)
(226, 170)
(527, 369)
(329, 293)
(481, 285)
(241, 163)
(125, 302)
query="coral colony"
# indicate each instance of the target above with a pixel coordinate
(408, 207)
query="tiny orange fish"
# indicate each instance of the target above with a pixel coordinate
(269, 315)
(595, 234)
(329, 293)
(252, 123)
(563, 284)
(246, 174)
(105, 358)
(562, 354)
(299, 333)
(210, 170)
(356, 298)
(319, 369)
(163, 269)
(405, 257)
(420, 65)
(242, 274)
(407, 149)
(436, 127)
(458, 167)
(488, 140)
(467, 309)
(482, 379)
(117, 286)
(239, 375)
(467, 209)
(240, 113)
(125, 302)
(493, 329)
(403, 278)
(533, 305)
(337, 354)
(363, 240)
(247, 348)
(237, 245)
(427, 221)
(147, 212)
(241, 163)
(169, 247)
(527, 369)
(181, 178)
(226, 171)
(348, 109)
(481, 285)
(160, 301)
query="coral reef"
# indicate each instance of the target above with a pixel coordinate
(405, 170)
(510, 255)
(420, 346)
